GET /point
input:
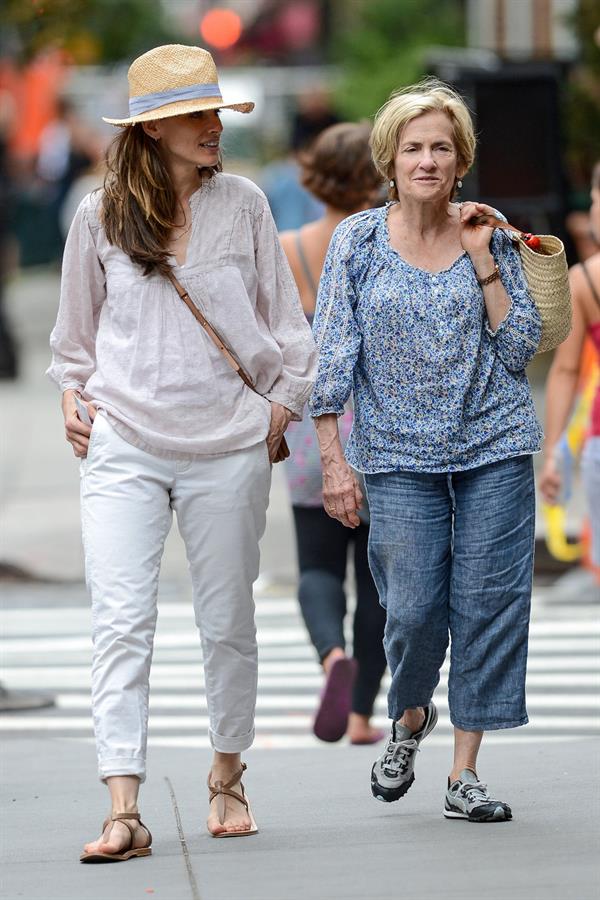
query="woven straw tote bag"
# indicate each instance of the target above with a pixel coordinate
(547, 277)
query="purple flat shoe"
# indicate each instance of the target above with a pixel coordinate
(377, 736)
(331, 720)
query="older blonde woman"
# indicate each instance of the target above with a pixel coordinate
(427, 319)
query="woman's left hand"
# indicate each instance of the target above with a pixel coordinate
(475, 239)
(280, 419)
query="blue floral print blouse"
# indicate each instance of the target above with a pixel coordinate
(434, 388)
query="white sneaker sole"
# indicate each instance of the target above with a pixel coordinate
(498, 815)
(454, 814)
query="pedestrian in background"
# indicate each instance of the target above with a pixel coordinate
(337, 170)
(291, 204)
(174, 427)
(69, 150)
(562, 381)
(426, 318)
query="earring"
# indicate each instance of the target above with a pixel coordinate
(459, 184)
(392, 182)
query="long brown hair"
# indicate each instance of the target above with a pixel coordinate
(139, 206)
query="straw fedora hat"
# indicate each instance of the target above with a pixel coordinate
(171, 81)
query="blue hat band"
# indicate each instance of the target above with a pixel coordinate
(147, 102)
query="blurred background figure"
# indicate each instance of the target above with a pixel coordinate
(337, 169)
(291, 204)
(10, 700)
(8, 349)
(313, 116)
(69, 149)
(562, 385)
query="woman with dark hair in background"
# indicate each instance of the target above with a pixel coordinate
(338, 170)
(174, 427)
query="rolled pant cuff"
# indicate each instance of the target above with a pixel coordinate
(489, 726)
(397, 714)
(122, 765)
(329, 646)
(224, 744)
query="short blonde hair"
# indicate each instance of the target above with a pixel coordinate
(429, 95)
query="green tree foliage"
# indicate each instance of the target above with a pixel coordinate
(91, 31)
(583, 97)
(384, 44)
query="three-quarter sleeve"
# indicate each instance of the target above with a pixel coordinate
(516, 338)
(279, 306)
(83, 290)
(336, 330)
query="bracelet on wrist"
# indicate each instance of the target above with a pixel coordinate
(489, 278)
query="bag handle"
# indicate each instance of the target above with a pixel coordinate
(283, 450)
(494, 221)
(531, 240)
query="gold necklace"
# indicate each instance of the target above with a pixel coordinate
(183, 232)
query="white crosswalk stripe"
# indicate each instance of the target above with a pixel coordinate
(49, 649)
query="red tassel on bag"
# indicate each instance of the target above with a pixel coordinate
(532, 241)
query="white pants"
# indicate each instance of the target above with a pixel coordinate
(127, 498)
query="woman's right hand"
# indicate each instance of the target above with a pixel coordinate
(342, 497)
(550, 481)
(77, 432)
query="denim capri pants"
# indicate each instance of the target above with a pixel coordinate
(452, 557)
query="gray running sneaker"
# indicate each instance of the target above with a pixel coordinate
(393, 773)
(468, 798)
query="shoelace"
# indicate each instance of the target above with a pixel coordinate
(474, 792)
(397, 757)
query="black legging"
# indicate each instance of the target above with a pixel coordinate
(322, 545)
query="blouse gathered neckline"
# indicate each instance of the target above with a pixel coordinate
(385, 228)
(207, 182)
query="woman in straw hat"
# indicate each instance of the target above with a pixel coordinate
(174, 427)
(427, 319)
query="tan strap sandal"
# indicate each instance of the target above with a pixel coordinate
(130, 852)
(221, 791)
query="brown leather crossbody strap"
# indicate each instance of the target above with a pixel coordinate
(212, 332)
(283, 451)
